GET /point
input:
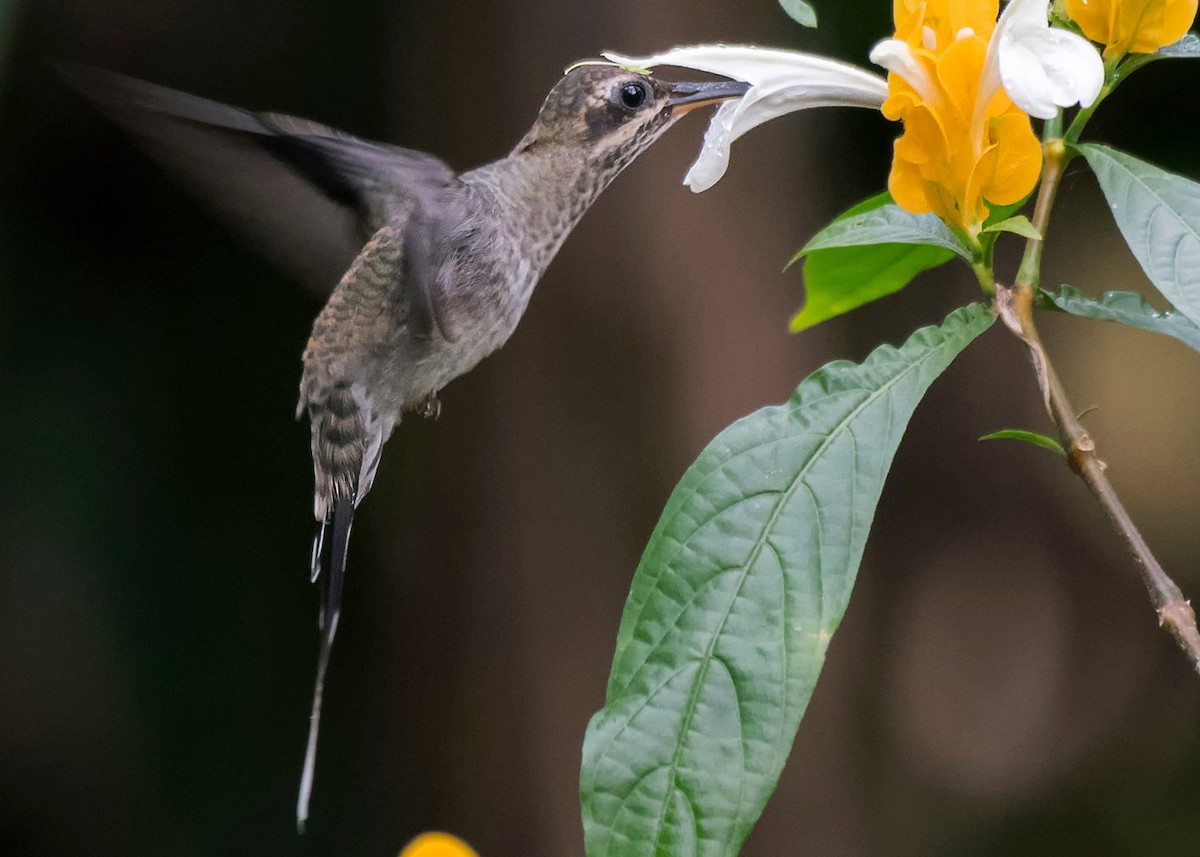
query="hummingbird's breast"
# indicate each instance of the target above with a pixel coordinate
(498, 242)
(496, 231)
(484, 287)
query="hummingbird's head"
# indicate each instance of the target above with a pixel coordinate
(613, 113)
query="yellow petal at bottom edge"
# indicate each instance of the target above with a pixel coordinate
(436, 844)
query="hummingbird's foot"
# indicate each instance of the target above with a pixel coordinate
(431, 408)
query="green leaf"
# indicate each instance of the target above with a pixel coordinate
(743, 582)
(1028, 437)
(1017, 226)
(1159, 215)
(886, 223)
(837, 281)
(800, 12)
(872, 250)
(1125, 308)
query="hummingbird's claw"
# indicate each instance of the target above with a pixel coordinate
(431, 408)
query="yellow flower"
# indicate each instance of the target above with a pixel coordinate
(437, 845)
(1137, 26)
(965, 142)
(943, 19)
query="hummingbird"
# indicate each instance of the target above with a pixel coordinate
(433, 268)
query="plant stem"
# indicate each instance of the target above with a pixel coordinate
(1015, 307)
(1057, 156)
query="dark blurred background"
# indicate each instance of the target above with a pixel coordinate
(999, 686)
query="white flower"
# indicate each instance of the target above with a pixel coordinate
(781, 82)
(1042, 68)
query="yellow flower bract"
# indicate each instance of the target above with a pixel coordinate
(435, 844)
(1133, 26)
(956, 154)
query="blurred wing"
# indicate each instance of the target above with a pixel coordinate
(309, 196)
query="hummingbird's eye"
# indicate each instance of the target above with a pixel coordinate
(633, 95)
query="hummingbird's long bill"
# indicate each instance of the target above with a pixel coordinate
(690, 95)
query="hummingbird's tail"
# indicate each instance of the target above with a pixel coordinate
(334, 560)
(347, 437)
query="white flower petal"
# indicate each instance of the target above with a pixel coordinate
(1042, 68)
(713, 160)
(897, 57)
(1025, 13)
(781, 82)
(744, 62)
